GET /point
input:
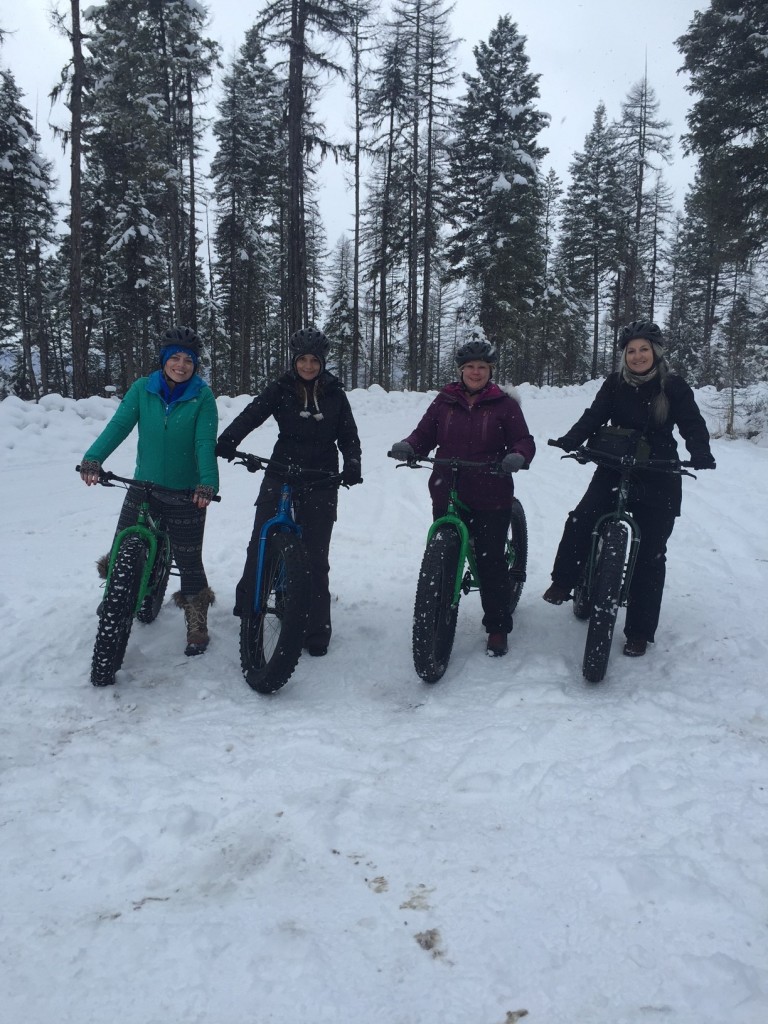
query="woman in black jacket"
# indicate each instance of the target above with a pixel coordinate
(644, 396)
(315, 423)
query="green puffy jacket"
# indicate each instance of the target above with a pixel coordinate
(176, 442)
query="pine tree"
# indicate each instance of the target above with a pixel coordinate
(594, 213)
(726, 56)
(496, 195)
(247, 171)
(295, 25)
(26, 229)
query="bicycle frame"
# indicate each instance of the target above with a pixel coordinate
(466, 553)
(620, 514)
(466, 578)
(283, 520)
(152, 535)
(285, 523)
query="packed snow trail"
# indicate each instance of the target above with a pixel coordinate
(363, 846)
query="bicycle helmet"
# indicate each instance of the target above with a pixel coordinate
(177, 339)
(640, 329)
(476, 349)
(309, 341)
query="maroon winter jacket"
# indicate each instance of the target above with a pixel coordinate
(482, 432)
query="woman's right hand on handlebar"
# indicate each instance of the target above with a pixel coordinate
(90, 470)
(401, 450)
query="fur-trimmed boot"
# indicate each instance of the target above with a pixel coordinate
(102, 566)
(196, 618)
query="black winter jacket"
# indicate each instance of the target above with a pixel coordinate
(304, 439)
(623, 405)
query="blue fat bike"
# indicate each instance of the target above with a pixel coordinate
(273, 624)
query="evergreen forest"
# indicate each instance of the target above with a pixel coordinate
(183, 210)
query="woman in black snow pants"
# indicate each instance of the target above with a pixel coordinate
(644, 396)
(315, 423)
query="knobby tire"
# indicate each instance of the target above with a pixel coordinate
(434, 620)
(518, 552)
(271, 642)
(158, 584)
(117, 609)
(606, 591)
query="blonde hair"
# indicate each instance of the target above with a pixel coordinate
(660, 369)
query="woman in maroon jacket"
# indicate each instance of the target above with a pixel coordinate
(473, 419)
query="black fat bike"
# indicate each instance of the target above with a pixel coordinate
(604, 585)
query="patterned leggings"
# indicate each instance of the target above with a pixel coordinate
(185, 525)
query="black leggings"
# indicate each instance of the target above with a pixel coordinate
(315, 512)
(185, 525)
(647, 586)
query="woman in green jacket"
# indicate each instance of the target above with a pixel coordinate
(176, 414)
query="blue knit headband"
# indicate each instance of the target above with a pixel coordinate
(171, 350)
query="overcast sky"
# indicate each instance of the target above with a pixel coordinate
(584, 52)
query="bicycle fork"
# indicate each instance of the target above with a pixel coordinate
(284, 523)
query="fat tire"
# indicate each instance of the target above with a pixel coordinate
(518, 548)
(117, 610)
(271, 642)
(606, 591)
(434, 620)
(158, 584)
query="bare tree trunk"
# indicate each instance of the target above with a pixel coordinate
(79, 344)
(192, 211)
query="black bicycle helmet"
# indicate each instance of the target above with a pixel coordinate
(476, 349)
(184, 337)
(309, 341)
(646, 329)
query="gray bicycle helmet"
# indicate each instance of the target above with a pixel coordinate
(309, 341)
(646, 329)
(476, 349)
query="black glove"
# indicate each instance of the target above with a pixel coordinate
(567, 443)
(511, 462)
(705, 460)
(351, 473)
(401, 450)
(226, 447)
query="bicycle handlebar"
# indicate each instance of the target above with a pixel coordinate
(253, 463)
(583, 455)
(106, 477)
(413, 463)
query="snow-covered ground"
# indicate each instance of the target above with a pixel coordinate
(362, 848)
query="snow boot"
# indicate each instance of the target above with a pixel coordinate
(635, 647)
(196, 618)
(555, 594)
(497, 645)
(102, 565)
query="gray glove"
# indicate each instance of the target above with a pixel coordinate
(203, 495)
(89, 471)
(512, 462)
(401, 450)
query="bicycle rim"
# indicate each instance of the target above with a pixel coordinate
(434, 616)
(271, 640)
(117, 610)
